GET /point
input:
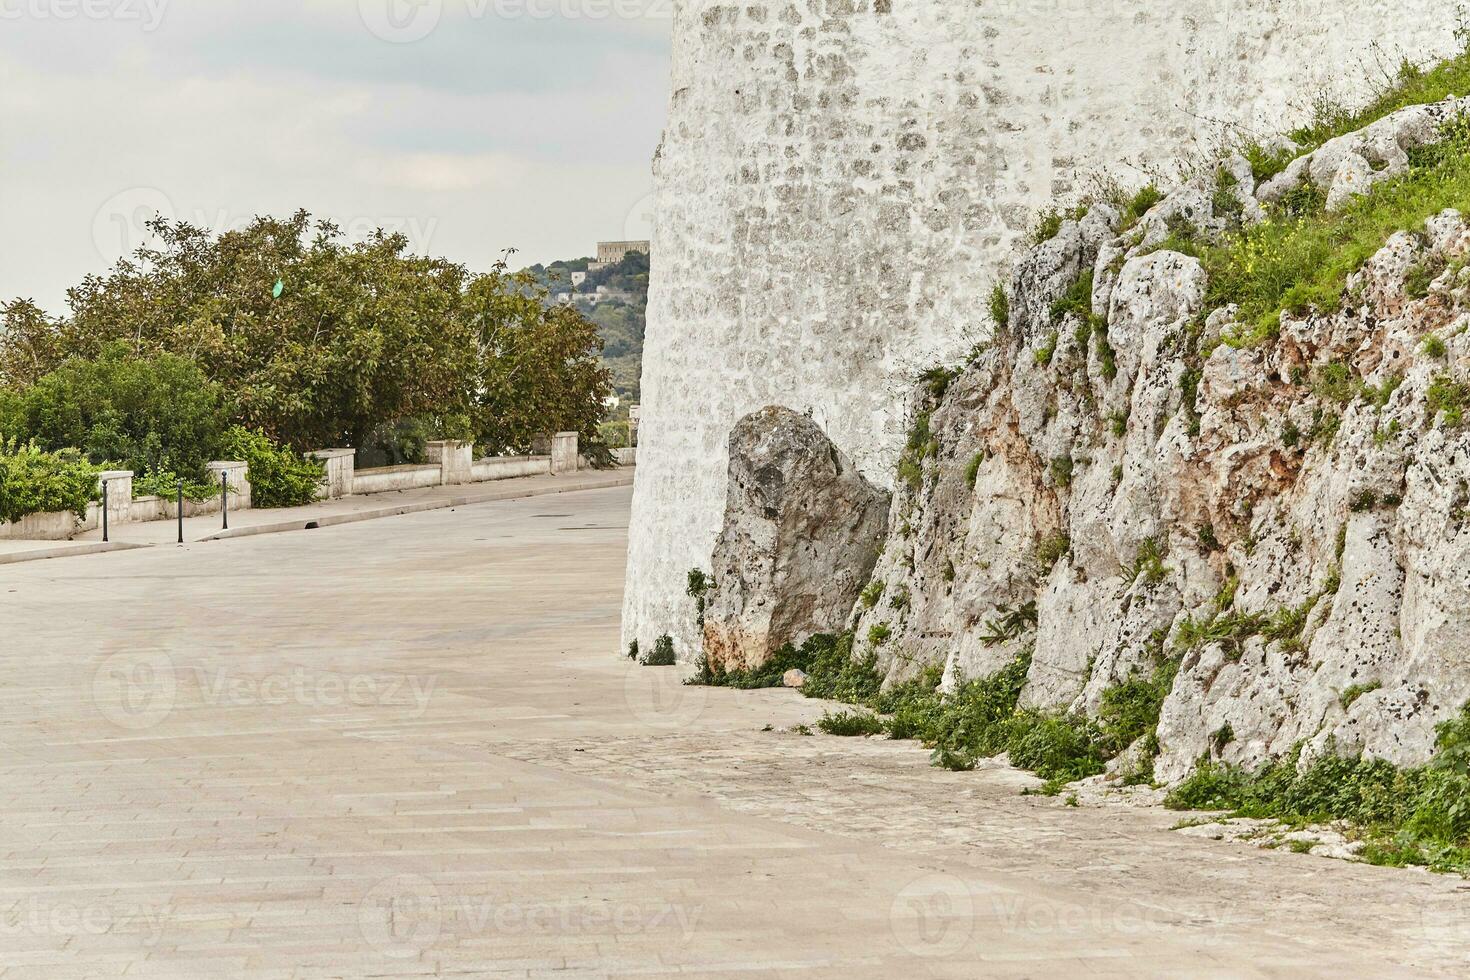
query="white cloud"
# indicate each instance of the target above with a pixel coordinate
(495, 134)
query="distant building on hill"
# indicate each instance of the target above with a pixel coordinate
(611, 253)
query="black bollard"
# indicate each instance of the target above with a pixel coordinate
(104, 511)
(181, 512)
(224, 498)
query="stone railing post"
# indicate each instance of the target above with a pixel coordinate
(340, 466)
(564, 453)
(456, 460)
(119, 494)
(239, 477)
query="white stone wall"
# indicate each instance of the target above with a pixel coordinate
(841, 183)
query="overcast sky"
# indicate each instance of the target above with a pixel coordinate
(471, 125)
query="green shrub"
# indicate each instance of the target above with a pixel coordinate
(850, 723)
(972, 468)
(1140, 204)
(663, 653)
(1061, 471)
(1450, 397)
(1047, 351)
(1265, 163)
(33, 481)
(1053, 549)
(279, 477)
(143, 414)
(165, 483)
(1434, 347)
(1414, 816)
(871, 593)
(1148, 563)
(920, 446)
(1058, 748)
(697, 586)
(1000, 307)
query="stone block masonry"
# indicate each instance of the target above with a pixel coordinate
(842, 181)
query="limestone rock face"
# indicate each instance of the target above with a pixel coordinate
(1288, 521)
(841, 182)
(802, 531)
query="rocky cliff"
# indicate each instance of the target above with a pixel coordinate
(841, 181)
(1135, 471)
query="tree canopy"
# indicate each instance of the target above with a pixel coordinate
(318, 342)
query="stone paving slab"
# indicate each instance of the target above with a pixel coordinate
(410, 749)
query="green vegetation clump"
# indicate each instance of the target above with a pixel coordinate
(972, 468)
(978, 720)
(872, 592)
(1140, 204)
(279, 477)
(314, 340)
(663, 653)
(921, 445)
(851, 723)
(1449, 397)
(1049, 223)
(1301, 256)
(697, 585)
(165, 483)
(1000, 307)
(1352, 692)
(1047, 351)
(1053, 549)
(1061, 471)
(1414, 816)
(34, 481)
(145, 414)
(1148, 563)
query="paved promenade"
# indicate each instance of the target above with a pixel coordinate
(407, 748)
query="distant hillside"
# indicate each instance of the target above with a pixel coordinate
(619, 315)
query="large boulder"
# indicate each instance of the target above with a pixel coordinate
(802, 532)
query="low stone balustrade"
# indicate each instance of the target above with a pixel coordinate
(447, 462)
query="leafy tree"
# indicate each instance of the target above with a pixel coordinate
(146, 414)
(320, 342)
(361, 334)
(538, 363)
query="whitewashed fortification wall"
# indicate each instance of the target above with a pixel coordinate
(841, 182)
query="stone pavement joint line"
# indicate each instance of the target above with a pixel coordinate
(410, 748)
